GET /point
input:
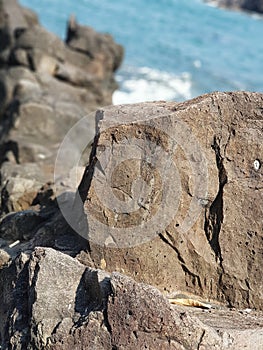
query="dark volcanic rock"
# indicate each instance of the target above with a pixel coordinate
(58, 303)
(247, 5)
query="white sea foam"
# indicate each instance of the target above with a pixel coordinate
(212, 3)
(146, 84)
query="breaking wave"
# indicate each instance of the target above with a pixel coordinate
(147, 84)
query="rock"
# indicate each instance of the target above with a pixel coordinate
(71, 293)
(47, 85)
(153, 325)
(58, 303)
(37, 38)
(30, 16)
(173, 197)
(247, 5)
(4, 258)
(19, 57)
(19, 186)
(20, 226)
(9, 82)
(12, 18)
(96, 46)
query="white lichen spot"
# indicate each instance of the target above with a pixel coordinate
(257, 164)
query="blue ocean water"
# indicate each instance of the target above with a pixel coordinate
(174, 49)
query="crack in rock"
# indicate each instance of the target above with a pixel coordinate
(214, 214)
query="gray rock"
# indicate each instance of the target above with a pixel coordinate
(46, 85)
(39, 38)
(95, 45)
(12, 18)
(58, 303)
(19, 57)
(19, 186)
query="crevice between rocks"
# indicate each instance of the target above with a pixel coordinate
(214, 214)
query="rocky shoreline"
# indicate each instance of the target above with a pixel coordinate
(46, 86)
(98, 268)
(245, 5)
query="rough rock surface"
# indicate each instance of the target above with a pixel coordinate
(247, 5)
(51, 301)
(181, 208)
(46, 86)
(208, 238)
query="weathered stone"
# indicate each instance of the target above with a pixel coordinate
(42, 63)
(92, 334)
(155, 324)
(46, 86)
(4, 258)
(15, 273)
(96, 46)
(12, 17)
(19, 57)
(70, 294)
(27, 90)
(10, 79)
(45, 317)
(216, 139)
(39, 38)
(30, 16)
(74, 75)
(51, 301)
(19, 186)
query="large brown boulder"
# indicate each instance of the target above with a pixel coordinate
(173, 195)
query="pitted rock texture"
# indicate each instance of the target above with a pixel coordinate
(52, 301)
(214, 140)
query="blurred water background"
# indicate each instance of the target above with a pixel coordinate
(174, 49)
